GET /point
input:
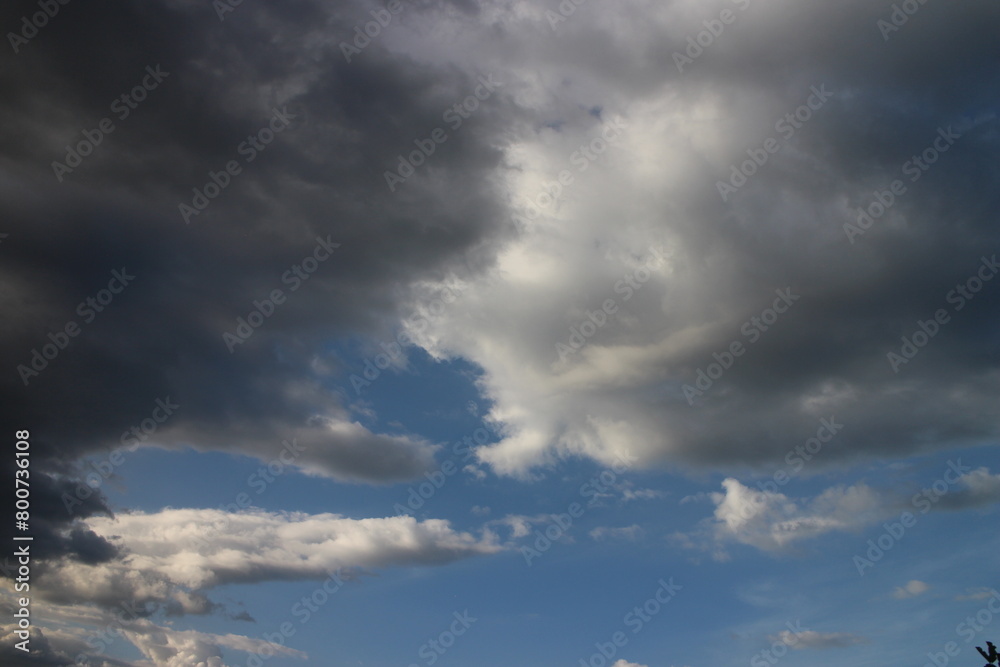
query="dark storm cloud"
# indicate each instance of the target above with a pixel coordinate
(56, 532)
(116, 212)
(323, 177)
(858, 300)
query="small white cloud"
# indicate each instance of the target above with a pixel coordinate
(771, 521)
(625, 663)
(642, 494)
(912, 589)
(518, 524)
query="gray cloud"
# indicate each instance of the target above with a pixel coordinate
(527, 281)
(785, 228)
(118, 210)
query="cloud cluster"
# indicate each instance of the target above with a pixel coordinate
(773, 522)
(578, 206)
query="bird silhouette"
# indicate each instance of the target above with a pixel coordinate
(992, 656)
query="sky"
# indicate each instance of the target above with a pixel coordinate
(493, 332)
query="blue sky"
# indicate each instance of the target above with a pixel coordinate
(526, 332)
(577, 592)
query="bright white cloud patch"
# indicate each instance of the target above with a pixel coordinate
(173, 554)
(771, 521)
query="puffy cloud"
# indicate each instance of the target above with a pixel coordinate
(771, 521)
(174, 555)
